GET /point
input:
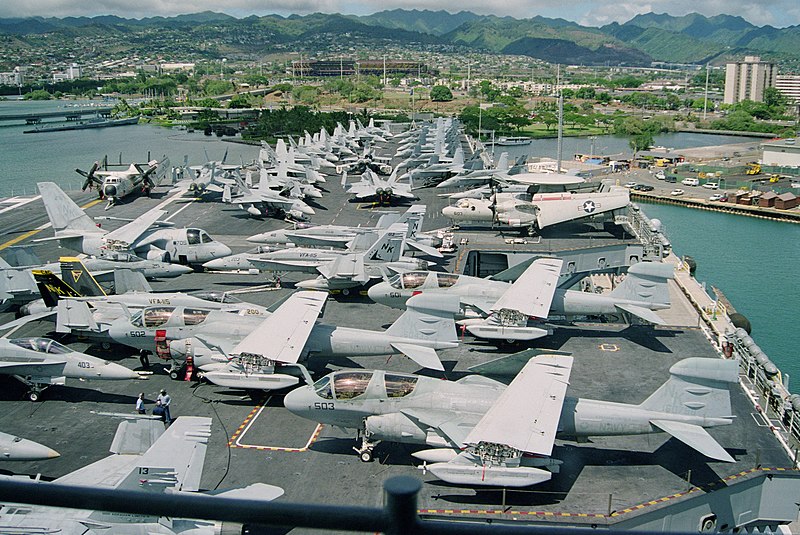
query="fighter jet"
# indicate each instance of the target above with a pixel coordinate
(384, 191)
(113, 185)
(499, 310)
(485, 433)
(41, 362)
(18, 286)
(264, 202)
(347, 269)
(143, 236)
(540, 210)
(14, 448)
(130, 292)
(173, 332)
(145, 458)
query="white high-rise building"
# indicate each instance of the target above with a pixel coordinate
(789, 85)
(747, 80)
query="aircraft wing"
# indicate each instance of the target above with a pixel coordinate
(540, 389)
(481, 303)
(282, 336)
(303, 240)
(532, 293)
(34, 366)
(695, 437)
(131, 232)
(558, 208)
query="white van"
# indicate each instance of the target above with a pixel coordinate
(690, 182)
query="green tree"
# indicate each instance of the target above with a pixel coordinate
(441, 93)
(37, 94)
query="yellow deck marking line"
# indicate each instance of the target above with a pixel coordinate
(236, 438)
(37, 230)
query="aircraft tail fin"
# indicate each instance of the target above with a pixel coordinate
(130, 280)
(646, 282)
(52, 288)
(502, 162)
(20, 255)
(62, 211)
(696, 387)
(73, 270)
(458, 157)
(175, 461)
(387, 248)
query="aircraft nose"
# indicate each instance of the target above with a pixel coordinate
(221, 250)
(110, 191)
(265, 237)
(116, 372)
(298, 400)
(27, 450)
(378, 292)
(173, 270)
(217, 263)
(448, 211)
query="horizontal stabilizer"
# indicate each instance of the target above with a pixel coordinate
(424, 356)
(645, 313)
(256, 491)
(75, 315)
(695, 437)
(467, 469)
(425, 249)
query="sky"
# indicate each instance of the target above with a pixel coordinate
(778, 13)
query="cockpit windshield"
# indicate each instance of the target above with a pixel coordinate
(348, 385)
(205, 238)
(41, 345)
(414, 279)
(193, 236)
(399, 385)
(215, 297)
(193, 316)
(446, 280)
(136, 319)
(323, 388)
(157, 316)
(394, 282)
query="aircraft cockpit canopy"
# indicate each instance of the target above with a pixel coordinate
(41, 345)
(345, 385)
(412, 279)
(465, 203)
(216, 297)
(196, 236)
(446, 280)
(194, 316)
(152, 317)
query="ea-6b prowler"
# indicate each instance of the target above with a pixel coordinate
(484, 433)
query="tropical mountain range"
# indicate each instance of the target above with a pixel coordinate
(645, 38)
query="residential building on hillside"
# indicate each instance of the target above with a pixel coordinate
(747, 80)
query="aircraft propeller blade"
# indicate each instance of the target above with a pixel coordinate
(89, 176)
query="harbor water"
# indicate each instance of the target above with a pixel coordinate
(752, 261)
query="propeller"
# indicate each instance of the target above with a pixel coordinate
(90, 178)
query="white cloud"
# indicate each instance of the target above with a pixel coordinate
(594, 13)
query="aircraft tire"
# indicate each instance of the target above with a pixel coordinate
(365, 456)
(33, 396)
(173, 375)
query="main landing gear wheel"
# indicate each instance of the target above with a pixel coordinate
(365, 456)
(33, 396)
(173, 374)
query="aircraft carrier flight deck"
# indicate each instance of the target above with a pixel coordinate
(260, 441)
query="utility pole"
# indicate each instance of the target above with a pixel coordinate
(384, 69)
(560, 130)
(705, 99)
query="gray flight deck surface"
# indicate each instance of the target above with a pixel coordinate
(612, 362)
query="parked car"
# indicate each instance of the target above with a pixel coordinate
(643, 187)
(711, 185)
(719, 197)
(677, 192)
(660, 175)
(690, 182)
(630, 185)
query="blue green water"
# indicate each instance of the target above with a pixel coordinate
(755, 263)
